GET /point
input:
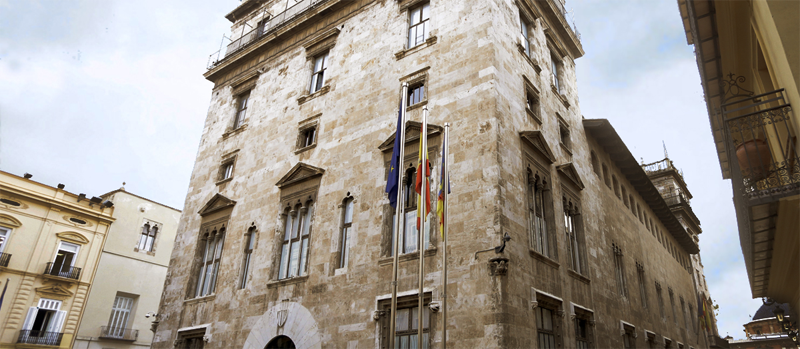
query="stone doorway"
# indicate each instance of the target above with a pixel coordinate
(280, 342)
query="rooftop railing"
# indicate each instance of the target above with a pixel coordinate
(40, 337)
(250, 34)
(561, 6)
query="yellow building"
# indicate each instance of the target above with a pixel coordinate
(130, 276)
(51, 241)
(748, 55)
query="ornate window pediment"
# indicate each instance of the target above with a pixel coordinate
(537, 141)
(217, 203)
(299, 173)
(413, 129)
(9, 221)
(72, 236)
(569, 172)
(56, 291)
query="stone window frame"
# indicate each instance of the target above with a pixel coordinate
(322, 44)
(628, 333)
(571, 208)
(425, 23)
(642, 284)
(158, 229)
(555, 306)
(419, 77)
(619, 270)
(249, 245)
(616, 184)
(683, 311)
(215, 230)
(526, 42)
(295, 208)
(533, 105)
(243, 101)
(577, 315)
(660, 296)
(672, 304)
(632, 204)
(606, 177)
(538, 179)
(309, 124)
(595, 164)
(564, 134)
(241, 87)
(193, 337)
(408, 301)
(227, 160)
(345, 231)
(624, 197)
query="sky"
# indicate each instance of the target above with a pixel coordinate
(97, 93)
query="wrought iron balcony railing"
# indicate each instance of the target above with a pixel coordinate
(4, 259)
(40, 337)
(62, 271)
(676, 199)
(250, 34)
(762, 147)
(125, 334)
(561, 6)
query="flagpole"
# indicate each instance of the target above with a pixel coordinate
(445, 185)
(423, 137)
(399, 215)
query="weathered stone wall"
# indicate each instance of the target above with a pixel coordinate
(475, 83)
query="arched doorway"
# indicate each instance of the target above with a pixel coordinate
(280, 342)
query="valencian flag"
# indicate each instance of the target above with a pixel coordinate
(445, 177)
(394, 170)
(419, 188)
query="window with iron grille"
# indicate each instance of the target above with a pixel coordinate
(642, 288)
(212, 241)
(619, 269)
(406, 322)
(296, 237)
(249, 245)
(537, 209)
(545, 329)
(318, 74)
(241, 110)
(418, 24)
(347, 226)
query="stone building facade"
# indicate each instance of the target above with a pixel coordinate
(285, 240)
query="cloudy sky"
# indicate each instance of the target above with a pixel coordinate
(96, 93)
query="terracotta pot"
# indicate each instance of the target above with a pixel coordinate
(754, 159)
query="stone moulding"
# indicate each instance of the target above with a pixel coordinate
(72, 236)
(218, 202)
(537, 140)
(405, 52)
(300, 326)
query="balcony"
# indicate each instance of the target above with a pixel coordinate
(561, 6)
(62, 271)
(250, 34)
(765, 173)
(4, 259)
(118, 333)
(39, 337)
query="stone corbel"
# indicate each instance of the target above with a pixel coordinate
(376, 315)
(207, 338)
(561, 313)
(498, 266)
(534, 304)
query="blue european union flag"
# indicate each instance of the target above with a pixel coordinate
(394, 172)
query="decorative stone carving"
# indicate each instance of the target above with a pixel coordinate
(498, 266)
(376, 315)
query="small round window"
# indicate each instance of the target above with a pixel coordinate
(10, 202)
(76, 220)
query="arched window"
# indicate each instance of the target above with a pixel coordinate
(539, 237)
(249, 245)
(296, 236)
(148, 237)
(574, 240)
(212, 253)
(347, 223)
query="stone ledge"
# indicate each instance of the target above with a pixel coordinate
(405, 52)
(566, 148)
(407, 257)
(200, 299)
(232, 132)
(547, 260)
(289, 281)
(417, 105)
(226, 180)
(303, 149)
(530, 60)
(581, 278)
(560, 96)
(305, 98)
(533, 115)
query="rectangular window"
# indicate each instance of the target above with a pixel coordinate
(418, 24)
(148, 237)
(4, 234)
(212, 242)
(683, 310)
(625, 196)
(574, 240)
(241, 110)
(297, 232)
(347, 223)
(532, 103)
(318, 77)
(660, 300)
(43, 323)
(616, 185)
(619, 268)
(605, 176)
(544, 328)
(249, 245)
(642, 288)
(118, 320)
(406, 322)
(628, 340)
(416, 94)
(308, 137)
(583, 329)
(563, 132)
(226, 171)
(537, 209)
(526, 41)
(64, 261)
(555, 73)
(408, 237)
(595, 163)
(672, 303)
(692, 315)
